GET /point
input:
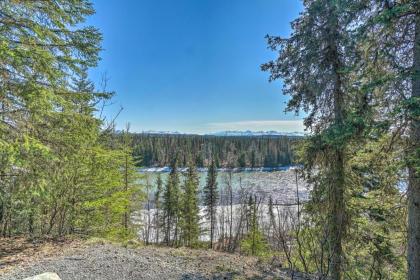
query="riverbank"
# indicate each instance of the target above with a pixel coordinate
(167, 169)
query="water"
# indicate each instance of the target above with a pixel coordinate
(278, 183)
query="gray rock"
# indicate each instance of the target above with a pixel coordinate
(44, 276)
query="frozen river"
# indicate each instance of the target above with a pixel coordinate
(281, 184)
(278, 183)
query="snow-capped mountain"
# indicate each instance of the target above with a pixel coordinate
(255, 133)
(161, 132)
(230, 133)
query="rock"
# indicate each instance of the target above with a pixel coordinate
(44, 276)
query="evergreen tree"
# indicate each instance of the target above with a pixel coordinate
(378, 210)
(211, 196)
(413, 154)
(158, 206)
(313, 63)
(59, 172)
(242, 160)
(31, 79)
(190, 208)
(392, 67)
(253, 159)
(254, 244)
(227, 151)
(199, 160)
(171, 207)
(85, 96)
(130, 178)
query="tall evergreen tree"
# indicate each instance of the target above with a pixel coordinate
(211, 195)
(57, 169)
(190, 208)
(130, 178)
(414, 154)
(314, 65)
(391, 38)
(158, 206)
(171, 206)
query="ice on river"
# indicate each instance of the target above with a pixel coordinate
(279, 184)
(282, 185)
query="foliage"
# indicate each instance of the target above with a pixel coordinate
(254, 243)
(349, 65)
(60, 170)
(190, 209)
(211, 195)
(227, 151)
(171, 205)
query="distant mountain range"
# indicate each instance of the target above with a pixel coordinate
(232, 133)
(255, 133)
(162, 132)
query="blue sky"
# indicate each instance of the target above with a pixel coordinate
(193, 65)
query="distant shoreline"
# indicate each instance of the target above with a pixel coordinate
(167, 169)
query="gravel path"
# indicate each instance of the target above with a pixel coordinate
(106, 261)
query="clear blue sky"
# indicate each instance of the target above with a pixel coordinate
(193, 65)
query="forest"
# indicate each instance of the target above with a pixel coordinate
(350, 67)
(227, 151)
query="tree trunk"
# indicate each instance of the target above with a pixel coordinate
(175, 241)
(298, 240)
(413, 254)
(231, 211)
(337, 216)
(168, 229)
(157, 225)
(211, 227)
(126, 189)
(336, 161)
(148, 215)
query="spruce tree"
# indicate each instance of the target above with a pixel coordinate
(242, 160)
(171, 207)
(126, 170)
(84, 92)
(392, 67)
(190, 208)
(413, 154)
(254, 244)
(158, 206)
(313, 64)
(59, 172)
(211, 196)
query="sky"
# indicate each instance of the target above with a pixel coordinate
(193, 66)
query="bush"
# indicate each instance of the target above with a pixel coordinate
(255, 244)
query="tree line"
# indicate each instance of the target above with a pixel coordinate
(227, 151)
(63, 169)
